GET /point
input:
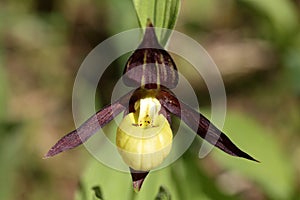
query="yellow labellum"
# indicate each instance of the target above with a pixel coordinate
(144, 138)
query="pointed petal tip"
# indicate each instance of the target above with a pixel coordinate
(239, 153)
(56, 149)
(248, 157)
(149, 23)
(253, 159)
(49, 154)
(137, 185)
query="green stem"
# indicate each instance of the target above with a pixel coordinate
(133, 195)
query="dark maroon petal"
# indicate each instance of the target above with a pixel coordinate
(166, 114)
(200, 124)
(138, 178)
(89, 127)
(150, 65)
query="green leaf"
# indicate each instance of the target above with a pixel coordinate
(98, 193)
(162, 13)
(281, 13)
(163, 194)
(114, 184)
(118, 185)
(275, 173)
(192, 181)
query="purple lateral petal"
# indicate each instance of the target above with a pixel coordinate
(200, 124)
(138, 178)
(89, 127)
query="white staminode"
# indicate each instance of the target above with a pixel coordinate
(148, 111)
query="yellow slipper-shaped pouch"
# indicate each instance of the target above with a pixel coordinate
(144, 138)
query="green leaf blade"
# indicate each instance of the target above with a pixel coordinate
(275, 173)
(282, 15)
(162, 13)
(163, 194)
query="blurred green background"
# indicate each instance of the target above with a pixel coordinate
(255, 44)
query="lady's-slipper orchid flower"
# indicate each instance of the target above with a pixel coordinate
(144, 136)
